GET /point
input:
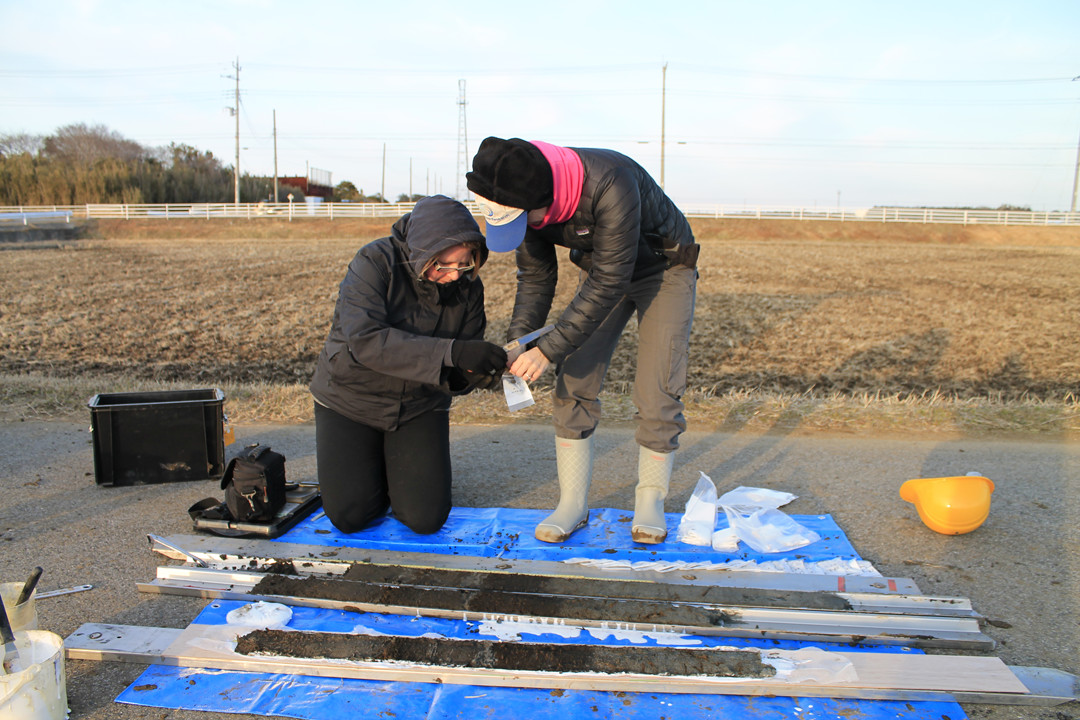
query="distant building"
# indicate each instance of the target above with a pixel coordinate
(316, 184)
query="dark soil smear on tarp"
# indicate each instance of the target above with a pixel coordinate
(491, 655)
(495, 602)
(595, 587)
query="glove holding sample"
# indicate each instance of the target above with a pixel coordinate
(484, 382)
(478, 357)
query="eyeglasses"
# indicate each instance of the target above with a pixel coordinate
(460, 269)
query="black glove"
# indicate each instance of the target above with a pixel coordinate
(478, 356)
(486, 382)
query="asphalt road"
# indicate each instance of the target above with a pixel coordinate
(1021, 569)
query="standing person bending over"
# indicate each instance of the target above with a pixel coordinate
(407, 333)
(639, 257)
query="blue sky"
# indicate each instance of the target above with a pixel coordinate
(814, 104)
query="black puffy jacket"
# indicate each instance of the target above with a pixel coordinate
(382, 363)
(623, 223)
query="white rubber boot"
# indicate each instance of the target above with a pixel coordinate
(574, 461)
(654, 477)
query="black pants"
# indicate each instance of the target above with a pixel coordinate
(363, 471)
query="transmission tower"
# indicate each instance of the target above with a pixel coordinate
(462, 144)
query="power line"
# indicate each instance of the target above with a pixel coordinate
(739, 72)
(953, 101)
(509, 71)
(115, 72)
(98, 101)
(476, 72)
(68, 100)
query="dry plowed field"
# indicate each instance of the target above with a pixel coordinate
(782, 306)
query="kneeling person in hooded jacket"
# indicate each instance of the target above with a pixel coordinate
(407, 334)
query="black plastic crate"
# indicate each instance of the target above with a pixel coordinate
(158, 437)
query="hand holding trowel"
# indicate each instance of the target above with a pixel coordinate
(515, 347)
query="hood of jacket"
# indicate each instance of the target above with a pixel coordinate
(435, 224)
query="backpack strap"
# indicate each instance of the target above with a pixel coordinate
(209, 508)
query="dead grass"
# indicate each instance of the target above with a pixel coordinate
(36, 397)
(852, 327)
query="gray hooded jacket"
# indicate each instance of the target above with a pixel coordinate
(382, 363)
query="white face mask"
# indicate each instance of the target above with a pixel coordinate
(496, 214)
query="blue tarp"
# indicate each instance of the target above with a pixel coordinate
(508, 533)
(312, 698)
(496, 532)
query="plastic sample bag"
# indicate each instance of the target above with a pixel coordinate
(767, 530)
(748, 499)
(725, 540)
(696, 525)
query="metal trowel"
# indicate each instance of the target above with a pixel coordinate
(527, 338)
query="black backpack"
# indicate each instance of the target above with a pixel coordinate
(255, 487)
(254, 484)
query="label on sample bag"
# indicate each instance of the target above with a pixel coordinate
(517, 392)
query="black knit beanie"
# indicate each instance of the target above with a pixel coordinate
(513, 173)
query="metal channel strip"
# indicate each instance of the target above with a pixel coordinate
(918, 605)
(252, 554)
(864, 594)
(741, 621)
(955, 677)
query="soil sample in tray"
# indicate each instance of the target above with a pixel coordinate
(495, 602)
(593, 587)
(513, 656)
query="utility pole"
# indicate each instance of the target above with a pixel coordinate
(1076, 180)
(382, 192)
(663, 123)
(410, 180)
(463, 144)
(1076, 177)
(236, 172)
(275, 156)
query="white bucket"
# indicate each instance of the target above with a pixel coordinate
(21, 617)
(37, 687)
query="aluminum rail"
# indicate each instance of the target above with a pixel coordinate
(256, 554)
(879, 676)
(587, 610)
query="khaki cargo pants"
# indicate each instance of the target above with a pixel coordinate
(664, 305)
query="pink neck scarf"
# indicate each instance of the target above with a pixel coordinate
(568, 175)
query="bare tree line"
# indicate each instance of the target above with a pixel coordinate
(82, 164)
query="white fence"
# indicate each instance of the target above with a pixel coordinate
(887, 214)
(52, 215)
